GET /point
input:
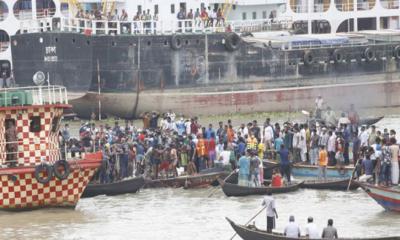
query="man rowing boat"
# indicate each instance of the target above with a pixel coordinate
(269, 201)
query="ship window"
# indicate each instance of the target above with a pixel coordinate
(264, 14)
(244, 16)
(198, 42)
(254, 15)
(73, 40)
(54, 124)
(34, 125)
(166, 43)
(187, 42)
(234, 7)
(113, 44)
(172, 8)
(148, 43)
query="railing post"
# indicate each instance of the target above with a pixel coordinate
(94, 27)
(118, 28)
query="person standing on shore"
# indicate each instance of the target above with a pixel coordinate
(269, 201)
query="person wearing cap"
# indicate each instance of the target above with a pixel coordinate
(311, 230)
(329, 232)
(292, 229)
(269, 202)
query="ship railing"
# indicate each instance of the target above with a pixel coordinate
(300, 8)
(45, 12)
(38, 25)
(319, 7)
(38, 95)
(344, 7)
(363, 6)
(390, 4)
(23, 14)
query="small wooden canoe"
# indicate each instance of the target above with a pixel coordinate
(330, 184)
(235, 190)
(195, 181)
(252, 233)
(116, 188)
(387, 197)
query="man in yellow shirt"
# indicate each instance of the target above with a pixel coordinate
(323, 162)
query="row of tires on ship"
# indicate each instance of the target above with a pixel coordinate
(231, 41)
(45, 172)
(339, 55)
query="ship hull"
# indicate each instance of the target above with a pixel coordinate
(363, 95)
(21, 191)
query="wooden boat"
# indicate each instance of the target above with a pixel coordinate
(302, 170)
(387, 197)
(234, 190)
(252, 233)
(330, 184)
(195, 181)
(117, 188)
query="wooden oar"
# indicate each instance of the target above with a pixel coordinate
(216, 188)
(251, 219)
(352, 174)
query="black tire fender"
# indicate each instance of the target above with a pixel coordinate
(232, 41)
(396, 52)
(369, 54)
(44, 167)
(337, 56)
(176, 42)
(65, 165)
(308, 57)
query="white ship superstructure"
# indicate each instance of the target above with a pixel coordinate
(305, 16)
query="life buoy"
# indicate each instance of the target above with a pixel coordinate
(308, 58)
(66, 169)
(232, 41)
(337, 56)
(45, 168)
(396, 52)
(369, 54)
(176, 42)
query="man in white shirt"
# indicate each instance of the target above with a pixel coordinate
(303, 144)
(318, 106)
(269, 202)
(363, 136)
(292, 230)
(311, 229)
(268, 137)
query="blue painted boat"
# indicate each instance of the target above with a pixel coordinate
(301, 170)
(388, 198)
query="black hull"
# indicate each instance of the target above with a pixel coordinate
(339, 185)
(234, 190)
(252, 233)
(132, 64)
(113, 189)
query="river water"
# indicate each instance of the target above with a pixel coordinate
(191, 214)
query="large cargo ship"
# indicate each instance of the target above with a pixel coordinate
(280, 62)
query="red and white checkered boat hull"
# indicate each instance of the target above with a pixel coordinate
(20, 190)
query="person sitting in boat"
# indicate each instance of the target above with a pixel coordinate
(269, 202)
(276, 179)
(329, 232)
(292, 229)
(244, 169)
(311, 230)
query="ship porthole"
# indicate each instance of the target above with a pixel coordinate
(4, 40)
(3, 11)
(23, 10)
(56, 39)
(198, 42)
(88, 42)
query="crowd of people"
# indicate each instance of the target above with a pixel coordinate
(166, 143)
